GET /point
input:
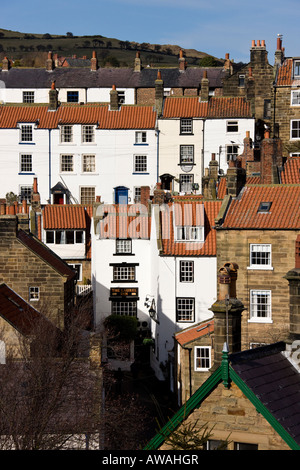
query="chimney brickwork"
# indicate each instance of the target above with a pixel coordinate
(114, 99)
(270, 160)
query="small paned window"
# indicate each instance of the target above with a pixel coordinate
(186, 271)
(260, 305)
(127, 308)
(185, 309)
(34, 293)
(26, 163)
(72, 96)
(186, 126)
(87, 195)
(202, 358)
(66, 163)
(88, 134)
(232, 126)
(140, 137)
(260, 255)
(88, 163)
(26, 133)
(140, 164)
(28, 96)
(123, 246)
(66, 134)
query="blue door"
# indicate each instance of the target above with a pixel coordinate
(121, 195)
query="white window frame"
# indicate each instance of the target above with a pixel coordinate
(88, 163)
(186, 271)
(295, 97)
(232, 150)
(254, 252)
(25, 190)
(127, 308)
(28, 96)
(26, 133)
(34, 294)
(295, 130)
(87, 134)
(140, 137)
(189, 234)
(72, 94)
(296, 67)
(78, 268)
(86, 199)
(186, 126)
(140, 163)
(25, 163)
(64, 238)
(186, 154)
(137, 194)
(124, 273)
(186, 186)
(66, 134)
(202, 362)
(64, 164)
(256, 306)
(123, 246)
(185, 309)
(232, 126)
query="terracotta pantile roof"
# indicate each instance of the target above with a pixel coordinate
(128, 117)
(291, 171)
(222, 187)
(216, 107)
(195, 332)
(64, 216)
(184, 107)
(284, 76)
(16, 311)
(190, 213)
(43, 252)
(124, 221)
(284, 213)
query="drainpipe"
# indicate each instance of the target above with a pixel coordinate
(157, 154)
(50, 164)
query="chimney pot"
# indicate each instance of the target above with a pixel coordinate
(253, 43)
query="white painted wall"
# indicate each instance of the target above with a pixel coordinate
(215, 136)
(169, 149)
(86, 95)
(114, 152)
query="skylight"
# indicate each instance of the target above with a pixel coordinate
(264, 206)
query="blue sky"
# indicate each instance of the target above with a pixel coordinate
(216, 27)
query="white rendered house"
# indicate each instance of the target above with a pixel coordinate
(78, 152)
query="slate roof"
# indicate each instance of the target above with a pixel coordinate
(47, 255)
(284, 213)
(274, 381)
(190, 213)
(16, 311)
(128, 117)
(66, 77)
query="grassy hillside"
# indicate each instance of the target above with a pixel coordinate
(30, 49)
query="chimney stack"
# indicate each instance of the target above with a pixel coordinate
(182, 61)
(49, 62)
(279, 53)
(270, 159)
(159, 94)
(5, 64)
(94, 62)
(227, 314)
(204, 87)
(53, 97)
(137, 63)
(114, 100)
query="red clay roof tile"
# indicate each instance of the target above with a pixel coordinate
(124, 221)
(284, 76)
(128, 117)
(291, 171)
(190, 216)
(195, 332)
(284, 212)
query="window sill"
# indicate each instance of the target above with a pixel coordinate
(123, 254)
(145, 144)
(262, 321)
(258, 268)
(26, 173)
(124, 282)
(27, 143)
(140, 173)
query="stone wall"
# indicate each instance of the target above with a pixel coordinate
(21, 268)
(229, 415)
(235, 245)
(282, 114)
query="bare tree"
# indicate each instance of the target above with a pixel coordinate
(50, 398)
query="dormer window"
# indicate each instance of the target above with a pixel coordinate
(264, 206)
(296, 68)
(190, 234)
